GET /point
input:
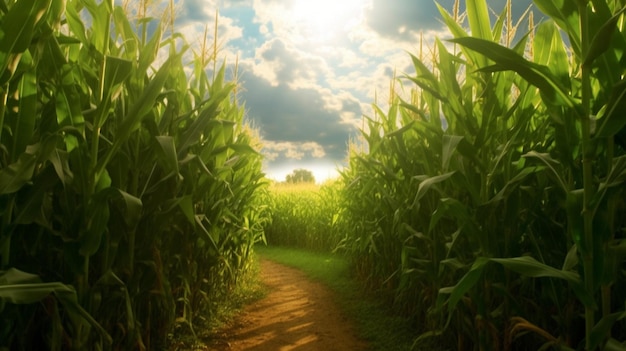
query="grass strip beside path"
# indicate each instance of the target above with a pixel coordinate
(374, 322)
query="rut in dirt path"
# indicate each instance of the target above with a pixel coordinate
(297, 314)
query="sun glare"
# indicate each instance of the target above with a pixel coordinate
(322, 19)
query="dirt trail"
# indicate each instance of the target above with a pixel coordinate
(297, 314)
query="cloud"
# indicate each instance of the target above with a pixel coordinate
(403, 20)
(292, 150)
(303, 115)
(281, 63)
(196, 10)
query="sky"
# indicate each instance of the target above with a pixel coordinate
(309, 70)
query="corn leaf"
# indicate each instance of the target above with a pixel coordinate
(149, 52)
(537, 75)
(611, 118)
(467, 282)
(18, 27)
(450, 142)
(429, 182)
(26, 115)
(603, 328)
(550, 51)
(551, 163)
(141, 107)
(478, 17)
(565, 14)
(602, 39)
(13, 177)
(75, 24)
(168, 150)
(100, 17)
(24, 288)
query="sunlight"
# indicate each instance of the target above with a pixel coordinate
(320, 20)
(322, 171)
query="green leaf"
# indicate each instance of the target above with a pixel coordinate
(75, 24)
(602, 329)
(611, 117)
(530, 267)
(125, 30)
(601, 41)
(100, 17)
(617, 176)
(26, 114)
(117, 70)
(514, 183)
(427, 183)
(13, 177)
(168, 149)
(95, 224)
(59, 159)
(186, 206)
(68, 107)
(537, 75)
(149, 52)
(243, 149)
(478, 17)
(17, 29)
(132, 205)
(571, 259)
(24, 288)
(199, 221)
(550, 51)
(565, 14)
(207, 116)
(551, 164)
(27, 293)
(111, 279)
(449, 208)
(450, 142)
(15, 276)
(525, 265)
(132, 120)
(466, 283)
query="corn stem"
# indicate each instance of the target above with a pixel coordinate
(587, 152)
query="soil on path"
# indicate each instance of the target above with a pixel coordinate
(297, 314)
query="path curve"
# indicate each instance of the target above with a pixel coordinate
(297, 314)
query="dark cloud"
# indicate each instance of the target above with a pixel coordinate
(297, 115)
(402, 19)
(194, 11)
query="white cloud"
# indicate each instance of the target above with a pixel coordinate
(292, 150)
(279, 62)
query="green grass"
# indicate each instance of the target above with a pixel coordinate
(374, 321)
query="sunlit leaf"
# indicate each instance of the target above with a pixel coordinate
(537, 75)
(602, 39)
(611, 119)
(565, 14)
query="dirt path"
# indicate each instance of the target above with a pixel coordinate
(297, 314)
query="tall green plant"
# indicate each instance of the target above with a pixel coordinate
(582, 102)
(305, 216)
(129, 190)
(475, 187)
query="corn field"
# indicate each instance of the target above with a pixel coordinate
(305, 215)
(490, 206)
(130, 188)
